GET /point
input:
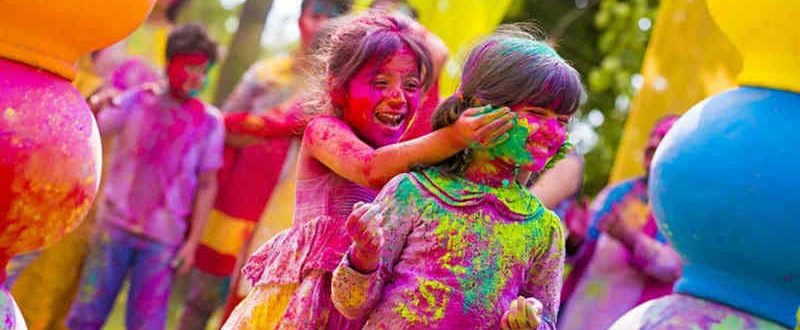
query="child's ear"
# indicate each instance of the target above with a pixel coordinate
(337, 94)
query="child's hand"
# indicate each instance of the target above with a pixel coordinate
(616, 225)
(184, 259)
(479, 128)
(364, 226)
(103, 98)
(522, 314)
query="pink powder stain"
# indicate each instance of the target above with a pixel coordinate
(187, 74)
(544, 141)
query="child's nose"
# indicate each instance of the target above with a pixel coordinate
(395, 97)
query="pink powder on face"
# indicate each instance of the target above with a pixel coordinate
(545, 138)
(382, 96)
(187, 74)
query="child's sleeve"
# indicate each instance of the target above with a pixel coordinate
(355, 294)
(272, 124)
(214, 144)
(543, 280)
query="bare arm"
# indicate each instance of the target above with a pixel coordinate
(656, 259)
(332, 142)
(204, 201)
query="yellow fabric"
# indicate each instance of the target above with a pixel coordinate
(86, 81)
(459, 24)
(687, 60)
(226, 234)
(262, 309)
(769, 40)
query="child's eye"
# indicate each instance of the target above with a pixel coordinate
(411, 84)
(380, 83)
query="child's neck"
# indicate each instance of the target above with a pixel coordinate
(178, 96)
(491, 173)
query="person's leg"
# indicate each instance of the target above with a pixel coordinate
(151, 282)
(206, 292)
(104, 270)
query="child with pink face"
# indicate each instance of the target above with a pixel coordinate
(462, 245)
(375, 70)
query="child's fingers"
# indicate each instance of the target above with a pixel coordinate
(496, 136)
(476, 111)
(521, 310)
(504, 114)
(504, 322)
(494, 125)
(514, 315)
(531, 316)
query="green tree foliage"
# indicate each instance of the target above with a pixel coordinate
(605, 40)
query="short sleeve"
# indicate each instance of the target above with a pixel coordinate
(214, 144)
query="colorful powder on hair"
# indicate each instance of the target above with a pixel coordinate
(513, 148)
(527, 46)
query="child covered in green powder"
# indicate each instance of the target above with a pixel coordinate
(462, 245)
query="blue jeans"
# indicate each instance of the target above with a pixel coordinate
(115, 253)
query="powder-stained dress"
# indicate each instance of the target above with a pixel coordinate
(292, 271)
(455, 255)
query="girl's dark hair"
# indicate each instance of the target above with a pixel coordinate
(353, 40)
(191, 39)
(510, 67)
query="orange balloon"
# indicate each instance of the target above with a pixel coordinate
(52, 35)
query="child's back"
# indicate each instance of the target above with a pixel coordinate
(455, 253)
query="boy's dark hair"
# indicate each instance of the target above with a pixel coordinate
(336, 7)
(174, 9)
(191, 39)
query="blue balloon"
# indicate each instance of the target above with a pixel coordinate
(724, 185)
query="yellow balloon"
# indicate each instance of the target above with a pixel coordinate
(765, 33)
(688, 59)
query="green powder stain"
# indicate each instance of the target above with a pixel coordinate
(435, 296)
(482, 273)
(731, 322)
(514, 147)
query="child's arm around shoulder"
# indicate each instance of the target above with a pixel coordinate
(115, 108)
(379, 231)
(332, 142)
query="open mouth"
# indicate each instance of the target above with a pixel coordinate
(390, 119)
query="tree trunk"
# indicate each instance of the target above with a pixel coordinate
(245, 47)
